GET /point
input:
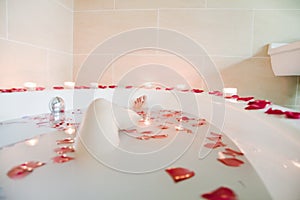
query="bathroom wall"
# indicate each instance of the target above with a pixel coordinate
(234, 33)
(36, 42)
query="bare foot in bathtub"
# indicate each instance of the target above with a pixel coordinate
(139, 102)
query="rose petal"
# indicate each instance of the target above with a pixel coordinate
(62, 159)
(232, 152)
(232, 162)
(19, 172)
(146, 132)
(180, 174)
(163, 127)
(64, 150)
(24, 169)
(144, 137)
(245, 98)
(65, 141)
(58, 87)
(33, 164)
(169, 89)
(129, 87)
(197, 90)
(112, 86)
(274, 112)
(159, 136)
(102, 86)
(214, 145)
(257, 104)
(292, 115)
(222, 193)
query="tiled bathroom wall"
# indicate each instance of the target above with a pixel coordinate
(48, 41)
(234, 33)
(36, 42)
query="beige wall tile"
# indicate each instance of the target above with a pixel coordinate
(21, 63)
(67, 3)
(92, 28)
(168, 70)
(42, 23)
(59, 68)
(254, 76)
(220, 32)
(89, 69)
(133, 4)
(81, 5)
(3, 18)
(275, 26)
(258, 4)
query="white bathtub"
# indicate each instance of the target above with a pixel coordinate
(270, 143)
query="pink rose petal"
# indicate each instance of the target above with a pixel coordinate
(19, 172)
(231, 152)
(62, 159)
(222, 193)
(65, 141)
(64, 150)
(214, 145)
(179, 174)
(232, 162)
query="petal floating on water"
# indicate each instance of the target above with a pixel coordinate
(232, 162)
(180, 174)
(222, 193)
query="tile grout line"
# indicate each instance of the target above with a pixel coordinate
(114, 4)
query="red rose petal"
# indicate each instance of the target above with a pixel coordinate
(197, 90)
(232, 152)
(222, 193)
(180, 174)
(146, 132)
(65, 141)
(62, 159)
(23, 170)
(169, 89)
(159, 136)
(232, 162)
(112, 86)
(292, 115)
(58, 87)
(33, 164)
(274, 112)
(163, 127)
(257, 104)
(39, 88)
(144, 137)
(129, 87)
(102, 86)
(64, 150)
(19, 172)
(214, 145)
(245, 98)
(186, 90)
